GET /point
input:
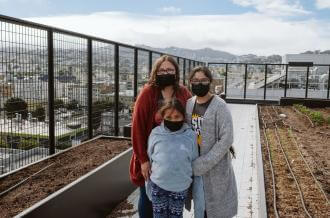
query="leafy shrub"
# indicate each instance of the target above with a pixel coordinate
(16, 105)
(39, 113)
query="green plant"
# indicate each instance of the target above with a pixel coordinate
(27, 144)
(58, 103)
(317, 117)
(3, 143)
(16, 105)
(302, 108)
(39, 113)
(72, 105)
(63, 145)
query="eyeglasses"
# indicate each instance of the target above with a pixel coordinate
(202, 81)
(165, 71)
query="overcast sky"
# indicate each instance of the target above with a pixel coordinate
(262, 27)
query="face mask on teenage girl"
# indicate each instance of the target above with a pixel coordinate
(199, 89)
(173, 125)
(165, 80)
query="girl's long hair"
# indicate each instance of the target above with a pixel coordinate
(156, 66)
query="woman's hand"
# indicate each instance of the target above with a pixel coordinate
(146, 171)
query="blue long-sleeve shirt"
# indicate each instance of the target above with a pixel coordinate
(171, 155)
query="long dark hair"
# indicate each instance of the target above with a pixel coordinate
(156, 66)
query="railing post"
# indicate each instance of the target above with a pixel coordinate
(328, 83)
(245, 78)
(116, 69)
(189, 66)
(51, 96)
(136, 53)
(178, 61)
(150, 62)
(226, 79)
(265, 85)
(307, 79)
(184, 72)
(189, 69)
(90, 88)
(286, 79)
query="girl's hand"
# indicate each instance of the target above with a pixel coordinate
(145, 170)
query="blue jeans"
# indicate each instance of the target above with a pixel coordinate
(145, 205)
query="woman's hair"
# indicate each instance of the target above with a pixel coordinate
(203, 69)
(172, 104)
(156, 66)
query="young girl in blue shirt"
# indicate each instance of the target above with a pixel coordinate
(172, 147)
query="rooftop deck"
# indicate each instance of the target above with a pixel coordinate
(246, 165)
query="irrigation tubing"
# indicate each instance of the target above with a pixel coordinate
(264, 126)
(301, 155)
(289, 166)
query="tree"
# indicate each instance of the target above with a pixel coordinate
(58, 103)
(72, 105)
(16, 105)
(39, 113)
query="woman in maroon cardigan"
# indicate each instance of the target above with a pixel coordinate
(163, 85)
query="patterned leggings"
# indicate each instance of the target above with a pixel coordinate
(167, 204)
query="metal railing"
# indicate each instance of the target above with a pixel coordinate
(58, 88)
(270, 82)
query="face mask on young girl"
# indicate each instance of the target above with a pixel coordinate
(173, 125)
(174, 117)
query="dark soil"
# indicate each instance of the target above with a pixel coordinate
(123, 209)
(315, 149)
(66, 168)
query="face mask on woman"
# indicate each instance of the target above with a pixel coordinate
(199, 89)
(173, 125)
(165, 80)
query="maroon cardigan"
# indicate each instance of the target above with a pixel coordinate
(145, 118)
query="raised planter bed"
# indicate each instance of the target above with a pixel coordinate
(295, 155)
(88, 180)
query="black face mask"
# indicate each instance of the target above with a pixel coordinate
(165, 80)
(173, 125)
(199, 89)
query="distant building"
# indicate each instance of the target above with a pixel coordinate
(78, 92)
(6, 90)
(318, 75)
(315, 58)
(31, 89)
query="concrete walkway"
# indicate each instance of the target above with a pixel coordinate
(246, 165)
